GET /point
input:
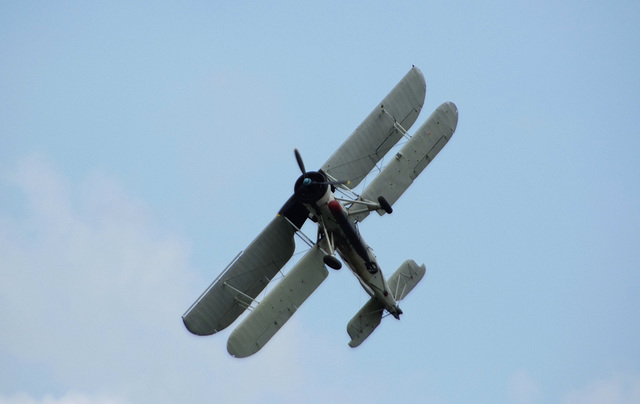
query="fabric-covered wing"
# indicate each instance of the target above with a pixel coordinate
(365, 321)
(279, 305)
(233, 291)
(378, 133)
(413, 158)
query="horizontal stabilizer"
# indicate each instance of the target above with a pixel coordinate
(405, 279)
(278, 306)
(368, 318)
(363, 323)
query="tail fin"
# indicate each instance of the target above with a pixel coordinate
(368, 318)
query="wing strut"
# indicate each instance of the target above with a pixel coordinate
(375, 136)
(278, 306)
(396, 124)
(300, 233)
(241, 293)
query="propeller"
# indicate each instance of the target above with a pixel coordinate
(333, 182)
(300, 162)
(309, 181)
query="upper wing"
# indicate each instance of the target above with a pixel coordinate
(233, 291)
(378, 133)
(279, 305)
(414, 156)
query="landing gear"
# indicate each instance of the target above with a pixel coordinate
(329, 259)
(386, 206)
(332, 262)
(372, 268)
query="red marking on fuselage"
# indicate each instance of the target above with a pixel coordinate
(335, 207)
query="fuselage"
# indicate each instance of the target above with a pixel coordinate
(354, 251)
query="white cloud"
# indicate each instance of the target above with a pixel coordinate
(95, 292)
(95, 298)
(69, 398)
(88, 292)
(619, 389)
(522, 389)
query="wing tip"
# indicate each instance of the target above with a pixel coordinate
(197, 329)
(450, 109)
(238, 350)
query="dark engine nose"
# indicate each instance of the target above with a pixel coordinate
(310, 187)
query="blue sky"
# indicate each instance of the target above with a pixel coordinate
(142, 145)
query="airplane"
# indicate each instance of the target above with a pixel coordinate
(327, 197)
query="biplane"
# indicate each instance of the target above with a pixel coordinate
(328, 198)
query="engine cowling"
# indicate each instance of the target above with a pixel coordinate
(311, 187)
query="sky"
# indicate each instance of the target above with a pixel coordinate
(144, 144)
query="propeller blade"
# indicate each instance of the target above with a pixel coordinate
(300, 162)
(333, 182)
(308, 181)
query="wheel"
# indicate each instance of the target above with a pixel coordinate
(385, 205)
(332, 262)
